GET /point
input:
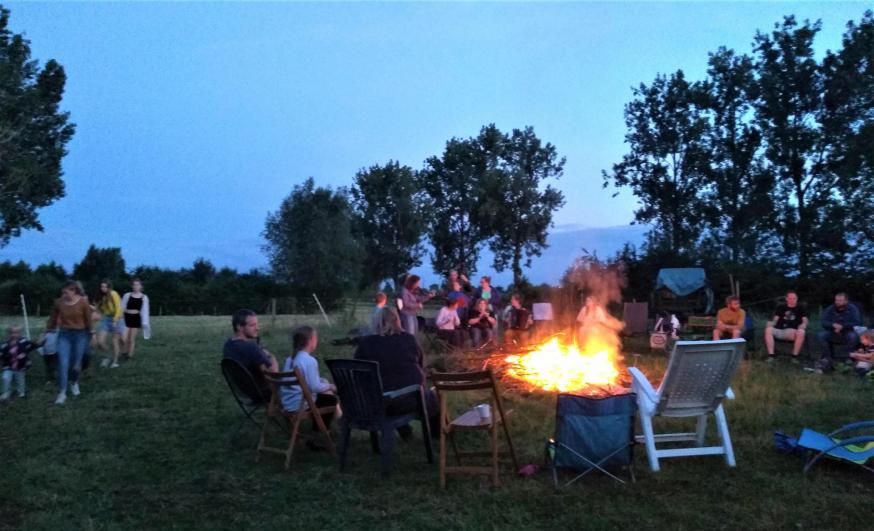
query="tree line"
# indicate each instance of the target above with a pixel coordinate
(493, 189)
(768, 160)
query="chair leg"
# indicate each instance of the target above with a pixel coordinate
(442, 458)
(701, 430)
(649, 439)
(388, 444)
(345, 438)
(722, 426)
(429, 448)
(455, 448)
(292, 440)
(262, 441)
(509, 443)
(496, 480)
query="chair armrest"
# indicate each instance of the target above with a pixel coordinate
(853, 426)
(402, 391)
(641, 384)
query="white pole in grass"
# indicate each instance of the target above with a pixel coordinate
(24, 311)
(322, 310)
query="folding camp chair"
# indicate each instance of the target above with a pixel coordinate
(593, 434)
(695, 384)
(471, 420)
(365, 407)
(245, 390)
(857, 450)
(307, 410)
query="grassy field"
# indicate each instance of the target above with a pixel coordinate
(148, 446)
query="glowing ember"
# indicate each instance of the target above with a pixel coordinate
(564, 368)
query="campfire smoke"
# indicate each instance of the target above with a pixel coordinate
(585, 361)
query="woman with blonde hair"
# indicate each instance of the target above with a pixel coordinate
(135, 306)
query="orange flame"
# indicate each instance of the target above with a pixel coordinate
(565, 368)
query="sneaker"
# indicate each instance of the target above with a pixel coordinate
(4, 396)
(74, 389)
(62, 397)
(21, 395)
(105, 362)
(771, 358)
(795, 359)
(114, 365)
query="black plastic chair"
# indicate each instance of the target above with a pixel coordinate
(364, 403)
(245, 390)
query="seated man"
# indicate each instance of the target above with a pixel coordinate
(244, 348)
(729, 320)
(789, 323)
(838, 322)
(482, 324)
(517, 321)
(400, 364)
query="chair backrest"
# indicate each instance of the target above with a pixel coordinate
(594, 429)
(463, 381)
(278, 380)
(242, 383)
(359, 387)
(698, 376)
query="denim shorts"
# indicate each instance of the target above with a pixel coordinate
(107, 325)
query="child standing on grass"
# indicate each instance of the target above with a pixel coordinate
(304, 341)
(864, 357)
(14, 361)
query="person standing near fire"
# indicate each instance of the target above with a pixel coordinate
(593, 319)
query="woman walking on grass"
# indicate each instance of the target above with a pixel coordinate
(135, 306)
(109, 305)
(72, 314)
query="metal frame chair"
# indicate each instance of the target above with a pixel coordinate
(245, 391)
(848, 450)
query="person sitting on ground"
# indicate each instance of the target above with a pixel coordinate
(376, 315)
(245, 349)
(449, 324)
(491, 295)
(517, 321)
(838, 322)
(482, 324)
(789, 323)
(864, 357)
(304, 341)
(400, 361)
(14, 361)
(730, 320)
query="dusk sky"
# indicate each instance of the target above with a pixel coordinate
(195, 120)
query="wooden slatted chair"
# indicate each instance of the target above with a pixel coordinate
(307, 410)
(470, 420)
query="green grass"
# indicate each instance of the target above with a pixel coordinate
(148, 446)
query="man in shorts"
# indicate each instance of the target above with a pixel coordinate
(789, 323)
(729, 320)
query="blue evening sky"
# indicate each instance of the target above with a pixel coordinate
(194, 120)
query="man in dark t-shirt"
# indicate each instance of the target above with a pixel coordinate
(243, 348)
(789, 323)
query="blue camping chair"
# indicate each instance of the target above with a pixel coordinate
(857, 450)
(593, 434)
(359, 387)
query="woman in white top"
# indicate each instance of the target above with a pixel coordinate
(304, 341)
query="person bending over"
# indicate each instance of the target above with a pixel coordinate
(864, 357)
(729, 320)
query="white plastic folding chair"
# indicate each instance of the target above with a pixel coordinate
(697, 381)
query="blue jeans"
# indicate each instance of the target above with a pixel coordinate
(828, 339)
(72, 345)
(480, 336)
(410, 323)
(8, 374)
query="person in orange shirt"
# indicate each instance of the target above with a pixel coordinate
(729, 320)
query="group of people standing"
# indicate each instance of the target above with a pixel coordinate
(73, 329)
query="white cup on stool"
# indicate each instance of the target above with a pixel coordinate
(485, 412)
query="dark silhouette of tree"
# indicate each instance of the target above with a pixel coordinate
(33, 134)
